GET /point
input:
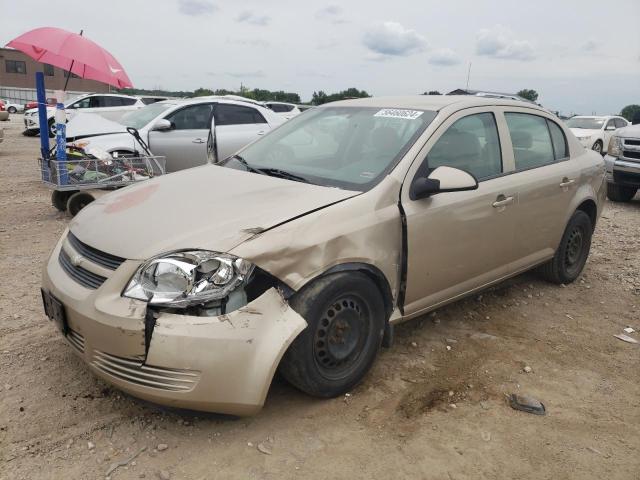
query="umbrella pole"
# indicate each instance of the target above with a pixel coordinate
(69, 76)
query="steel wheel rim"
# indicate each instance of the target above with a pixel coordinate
(53, 129)
(340, 336)
(573, 251)
(597, 147)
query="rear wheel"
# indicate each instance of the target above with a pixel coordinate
(345, 323)
(620, 193)
(59, 199)
(12, 109)
(78, 201)
(572, 253)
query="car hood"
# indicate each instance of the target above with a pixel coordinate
(584, 132)
(632, 131)
(209, 207)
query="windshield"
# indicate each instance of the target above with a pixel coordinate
(139, 118)
(588, 123)
(345, 147)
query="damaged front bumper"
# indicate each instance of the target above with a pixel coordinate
(222, 364)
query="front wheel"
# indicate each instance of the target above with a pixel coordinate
(597, 147)
(52, 128)
(571, 255)
(620, 193)
(78, 201)
(345, 318)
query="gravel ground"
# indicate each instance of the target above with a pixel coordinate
(425, 411)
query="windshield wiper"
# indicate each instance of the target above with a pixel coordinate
(245, 164)
(276, 172)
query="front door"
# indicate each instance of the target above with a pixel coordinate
(185, 145)
(458, 241)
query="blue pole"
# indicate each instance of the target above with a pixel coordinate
(42, 116)
(61, 144)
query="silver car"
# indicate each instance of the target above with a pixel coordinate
(178, 129)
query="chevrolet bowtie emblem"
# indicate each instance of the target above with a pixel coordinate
(76, 260)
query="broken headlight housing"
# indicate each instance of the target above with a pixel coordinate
(187, 278)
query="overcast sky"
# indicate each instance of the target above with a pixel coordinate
(581, 56)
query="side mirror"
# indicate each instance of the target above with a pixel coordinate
(441, 180)
(162, 125)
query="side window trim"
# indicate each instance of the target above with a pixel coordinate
(553, 145)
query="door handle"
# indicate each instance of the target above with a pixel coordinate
(197, 140)
(261, 132)
(502, 201)
(566, 182)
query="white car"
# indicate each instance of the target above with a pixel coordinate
(287, 110)
(594, 132)
(178, 129)
(12, 107)
(107, 105)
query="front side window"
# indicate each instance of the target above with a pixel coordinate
(229, 114)
(15, 66)
(126, 102)
(611, 125)
(194, 117)
(84, 103)
(531, 140)
(345, 147)
(470, 144)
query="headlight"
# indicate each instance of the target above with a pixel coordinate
(182, 279)
(615, 147)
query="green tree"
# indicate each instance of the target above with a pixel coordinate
(528, 94)
(318, 98)
(202, 92)
(432, 92)
(630, 112)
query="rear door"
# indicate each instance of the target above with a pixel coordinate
(458, 241)
(185, 145)
(546, 180)
(237, 126)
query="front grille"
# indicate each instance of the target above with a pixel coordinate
(630, 141)
(83, 277)
(630, 154)
(103, 259)
(132, 370)
(76, 340)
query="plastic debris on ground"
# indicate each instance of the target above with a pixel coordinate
(526, 404)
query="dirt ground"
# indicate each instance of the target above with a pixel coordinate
(424, 411)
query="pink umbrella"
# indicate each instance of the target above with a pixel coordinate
(72, 52)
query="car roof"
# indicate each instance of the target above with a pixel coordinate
(597, 116)
(432, 102)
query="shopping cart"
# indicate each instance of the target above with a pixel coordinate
(80, 179)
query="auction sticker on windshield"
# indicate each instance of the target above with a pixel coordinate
(399, 113)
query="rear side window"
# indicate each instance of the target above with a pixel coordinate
(471, 144)
(228, 114)
(531, 140)
(194, 117)
(280, 108)
(559, 141)
(127, 101)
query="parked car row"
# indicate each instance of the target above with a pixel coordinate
(110, 106)
(303, 249)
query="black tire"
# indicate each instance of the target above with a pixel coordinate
(51, 127)
(571, 255)
(59, 199)
(597, 147)
(30, 132)
(78, 201)
(620, 193)
(346, 320)
(12, 110)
